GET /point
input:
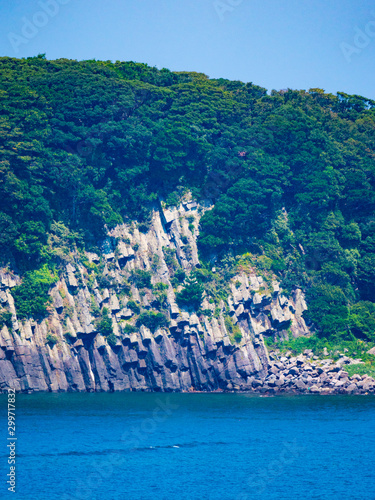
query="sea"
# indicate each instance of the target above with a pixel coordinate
(143, 446)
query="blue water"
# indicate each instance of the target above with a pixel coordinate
(192, 446)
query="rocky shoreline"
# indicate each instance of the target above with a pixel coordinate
(307, 374)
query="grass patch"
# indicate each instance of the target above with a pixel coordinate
(335, 348)
(233, 330)
(366, 369)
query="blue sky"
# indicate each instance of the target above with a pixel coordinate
(273, 43)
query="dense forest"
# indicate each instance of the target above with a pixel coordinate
(88, 145)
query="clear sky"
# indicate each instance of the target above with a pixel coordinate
(277, 44)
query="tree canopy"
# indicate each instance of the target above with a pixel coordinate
(86, 145)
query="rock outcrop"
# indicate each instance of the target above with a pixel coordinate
(309, 374)
(67, 351)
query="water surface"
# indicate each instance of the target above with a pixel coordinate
(192, 446)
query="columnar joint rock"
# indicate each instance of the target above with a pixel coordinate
(71, 350)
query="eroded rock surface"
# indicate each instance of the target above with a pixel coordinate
(67, 352)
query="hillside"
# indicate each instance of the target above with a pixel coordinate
(201, 207)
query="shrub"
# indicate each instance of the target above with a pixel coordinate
(160, 287)
(128, 328)
(278, 265)
(160, 294)
(188, 251)
(104, 282)
(133, 306)
(94, 307)
(169, 257)
(152, 320)
(31, 297)
(112, 339)
(69, 311)
(217, 312)
(174, 282)
(172, 200)
(141, 278)
(155, 264)
(237, 335)
(180, 275)
(206, 312)
(51, 339)
(5, 319)
(124, 288)
(104, 325)
(143, 227)
(160, 299)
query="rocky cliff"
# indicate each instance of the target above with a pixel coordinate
(67, 351)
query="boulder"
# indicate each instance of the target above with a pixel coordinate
(351, 388)
(315, 389)
(300, 385)
(293, 371)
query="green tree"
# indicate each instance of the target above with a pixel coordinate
(362, 320)
(192, 293)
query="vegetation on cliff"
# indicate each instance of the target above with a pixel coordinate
(87, 145)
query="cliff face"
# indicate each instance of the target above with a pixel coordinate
(66, 352)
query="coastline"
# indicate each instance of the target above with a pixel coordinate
(287, 375)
